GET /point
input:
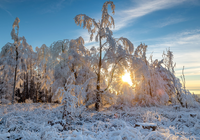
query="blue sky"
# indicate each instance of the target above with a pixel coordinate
(160, 24)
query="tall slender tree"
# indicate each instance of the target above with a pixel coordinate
(109, 45)
(14, 36)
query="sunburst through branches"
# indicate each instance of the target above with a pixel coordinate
(126, 78)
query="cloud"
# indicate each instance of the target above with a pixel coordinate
(56, 6)
(169, 21)
(189, 39)
(1, 7)
(185, 47)
(11, 1)
(142, 8)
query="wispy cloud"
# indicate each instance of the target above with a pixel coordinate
(185, 38)
(58, 5)
(11, 1)
(142, 8)
(186, 49)
(185, 46)
(1, 7)
(169, 21)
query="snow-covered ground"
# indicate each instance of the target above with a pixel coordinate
(44, 121)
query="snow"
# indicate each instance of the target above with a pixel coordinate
(44, 121)
(78, 78)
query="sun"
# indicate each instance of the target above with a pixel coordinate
(127, 78)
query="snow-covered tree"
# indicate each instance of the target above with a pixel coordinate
(75, 59)
(107, 44)
(45, 70)
(59, 52)
(15, 59)
(14, 36)
(177, 90)
(77, 76)
(7, 64)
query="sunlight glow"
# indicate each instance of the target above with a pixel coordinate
(126, 78)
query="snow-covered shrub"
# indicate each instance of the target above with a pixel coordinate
(186, 98)
(178, 92)
(196, 97)
(149, 86)
(60, 77)
(126, 98)
(73, 97)
(155, 82)
(4, 101)
(28, 101)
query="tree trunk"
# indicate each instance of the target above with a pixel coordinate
(149, 80)
(46, 95)
(15, 75)
(98, 100)
(31, 82)
(45, 90)
(24, 91)
(28, 96)
(36, 92)
(37, 86)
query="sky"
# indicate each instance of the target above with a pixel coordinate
(160, 24)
